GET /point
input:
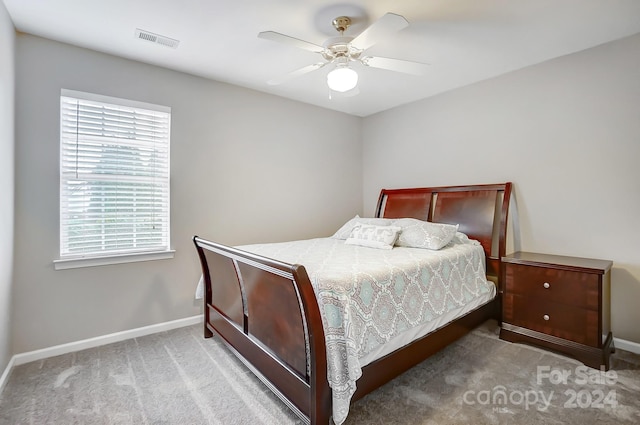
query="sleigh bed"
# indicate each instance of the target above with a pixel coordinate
(268, 312)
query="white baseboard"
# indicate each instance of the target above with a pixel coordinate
(5, 375)
(57, 350)
(623, 344)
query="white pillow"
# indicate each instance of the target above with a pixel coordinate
(372, 236)
(345, 230)
(424, 234)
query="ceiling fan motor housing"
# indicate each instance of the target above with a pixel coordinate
(336, 47)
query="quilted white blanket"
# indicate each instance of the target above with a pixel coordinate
(371, 297)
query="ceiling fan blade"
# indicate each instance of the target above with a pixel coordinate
(379, 30)
(296, 73)
(398, 65)
(292, 41)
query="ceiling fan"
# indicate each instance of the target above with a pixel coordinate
(341, 50)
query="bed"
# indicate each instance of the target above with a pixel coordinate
(283, 318)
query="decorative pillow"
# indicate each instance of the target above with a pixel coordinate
(372, 236)
(424, 234)
(345, 230)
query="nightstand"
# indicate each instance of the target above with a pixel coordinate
(560, 303)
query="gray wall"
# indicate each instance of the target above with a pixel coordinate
(7, 53)
(566, 132)
(246, 167)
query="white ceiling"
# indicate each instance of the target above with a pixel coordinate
(463, 41)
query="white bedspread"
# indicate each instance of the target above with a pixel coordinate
(370, 297)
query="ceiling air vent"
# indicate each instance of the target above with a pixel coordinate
(156, 38)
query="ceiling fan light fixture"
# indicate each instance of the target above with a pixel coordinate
(342, 79)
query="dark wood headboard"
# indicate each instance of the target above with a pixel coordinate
(481, 211)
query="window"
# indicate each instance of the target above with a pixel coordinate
(114, 180)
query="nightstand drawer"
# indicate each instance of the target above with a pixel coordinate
(554, 285)
(572, 323)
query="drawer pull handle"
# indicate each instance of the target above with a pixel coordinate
(545, 317)
(546, 285)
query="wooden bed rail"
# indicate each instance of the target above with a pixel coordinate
(267, 311)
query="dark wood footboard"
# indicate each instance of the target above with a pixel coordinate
(267, 313)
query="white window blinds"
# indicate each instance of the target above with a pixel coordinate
(114, 176)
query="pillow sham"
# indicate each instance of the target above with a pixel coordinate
(424, 234)
(345, 230)
(373, 236)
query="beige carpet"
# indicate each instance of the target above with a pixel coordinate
(178, 377)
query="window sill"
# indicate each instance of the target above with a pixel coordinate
(75, 263)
